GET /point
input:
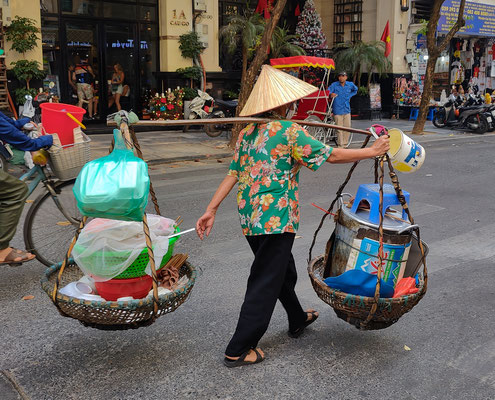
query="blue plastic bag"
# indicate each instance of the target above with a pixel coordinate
(359, 283)
(115, 186)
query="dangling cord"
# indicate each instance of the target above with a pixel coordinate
(151, 255)
(140, 155)
(66, 260)
(380, 249)
(376, 170)
(402, 200)
(339, 192)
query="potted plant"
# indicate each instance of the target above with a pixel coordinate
(189, 94)
(191, 47)
(23, 34)
(360, 103)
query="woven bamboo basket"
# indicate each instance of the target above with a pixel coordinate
(114, 315)
(355, 309)
(367, 313)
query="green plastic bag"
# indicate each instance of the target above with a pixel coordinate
(115, 186)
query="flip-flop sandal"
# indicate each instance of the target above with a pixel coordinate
(242, 360)
(16, 253)
(298, 332)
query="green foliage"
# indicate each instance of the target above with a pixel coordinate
(20, 94)
(190, 93)
(230, 94)
(281, 44)
(190, 45)
(23, 34)
(362, 91)
(355, 58)
(193, 72)
(25, 70)
(245, 30)
(424, 28)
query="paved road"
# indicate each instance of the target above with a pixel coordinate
(450, 333)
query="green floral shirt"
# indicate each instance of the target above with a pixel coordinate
(266, 163)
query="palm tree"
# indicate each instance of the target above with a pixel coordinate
(360, 56)
(281, 44)
(245, 31)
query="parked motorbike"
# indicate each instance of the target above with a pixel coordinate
(490, 114)
(221, 109)
(470, 115)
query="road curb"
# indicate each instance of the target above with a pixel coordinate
(170, 160)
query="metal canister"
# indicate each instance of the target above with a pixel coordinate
(356, 244)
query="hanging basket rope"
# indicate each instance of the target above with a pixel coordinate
(116, 315)
(367, 313)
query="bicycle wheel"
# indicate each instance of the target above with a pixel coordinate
(47, 231)
(317, 132)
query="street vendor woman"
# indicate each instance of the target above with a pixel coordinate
(266, 166)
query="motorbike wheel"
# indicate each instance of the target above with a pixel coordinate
(483, 125)
(213, 130)
(439, 121)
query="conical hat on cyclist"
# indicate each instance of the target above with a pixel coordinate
(273, 89)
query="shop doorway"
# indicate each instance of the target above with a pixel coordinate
(121, 64)
(97, 55)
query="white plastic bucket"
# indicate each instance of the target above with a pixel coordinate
(407, 156)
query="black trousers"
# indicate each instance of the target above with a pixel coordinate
(273, 276)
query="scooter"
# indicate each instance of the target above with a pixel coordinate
(469, 115)
(221, 109)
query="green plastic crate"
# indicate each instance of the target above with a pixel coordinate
(136, 269)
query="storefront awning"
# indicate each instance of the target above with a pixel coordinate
(302, 61)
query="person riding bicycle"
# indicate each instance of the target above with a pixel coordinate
(13, 192)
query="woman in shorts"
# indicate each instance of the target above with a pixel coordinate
(117, 86)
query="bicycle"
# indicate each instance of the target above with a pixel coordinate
(52, 218)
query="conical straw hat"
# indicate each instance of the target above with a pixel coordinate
(273, 89)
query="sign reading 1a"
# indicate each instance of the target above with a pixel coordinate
(179, 18)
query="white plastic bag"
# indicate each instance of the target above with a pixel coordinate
(106, 248)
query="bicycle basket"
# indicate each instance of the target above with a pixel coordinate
(66, 161)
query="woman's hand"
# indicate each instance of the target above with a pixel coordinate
(205, 224)
(381, 145)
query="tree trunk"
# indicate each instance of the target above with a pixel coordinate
(253, 70)
(434, 52)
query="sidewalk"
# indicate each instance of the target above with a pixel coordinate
(161, 147)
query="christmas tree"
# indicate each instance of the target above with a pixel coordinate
(309, 28)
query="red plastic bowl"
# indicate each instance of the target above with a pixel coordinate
(115, 288)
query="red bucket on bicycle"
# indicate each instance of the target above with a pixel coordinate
(55, 120)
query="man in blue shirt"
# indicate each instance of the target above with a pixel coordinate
(13, 192)
(341, 93)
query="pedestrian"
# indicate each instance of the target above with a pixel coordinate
(13, 192)
(266, 165)
(84, 78)
(117, 86)
(341, 92)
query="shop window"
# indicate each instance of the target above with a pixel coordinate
(147, 13)
(81, 7)
(49, 6)
(119, 10)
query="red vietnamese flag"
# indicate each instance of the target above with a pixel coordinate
(386, 39)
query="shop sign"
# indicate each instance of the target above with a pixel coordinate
(77, 43)
(128, 44)
(480, 18)
(179, 18)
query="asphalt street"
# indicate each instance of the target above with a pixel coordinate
(450, 351)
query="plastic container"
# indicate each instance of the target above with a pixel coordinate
(407, 156)
(357, 241)
(114, 289)
(54, 119)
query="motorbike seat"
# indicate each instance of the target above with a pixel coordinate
(226, 103)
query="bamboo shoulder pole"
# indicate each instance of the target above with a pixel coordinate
(236, 120)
